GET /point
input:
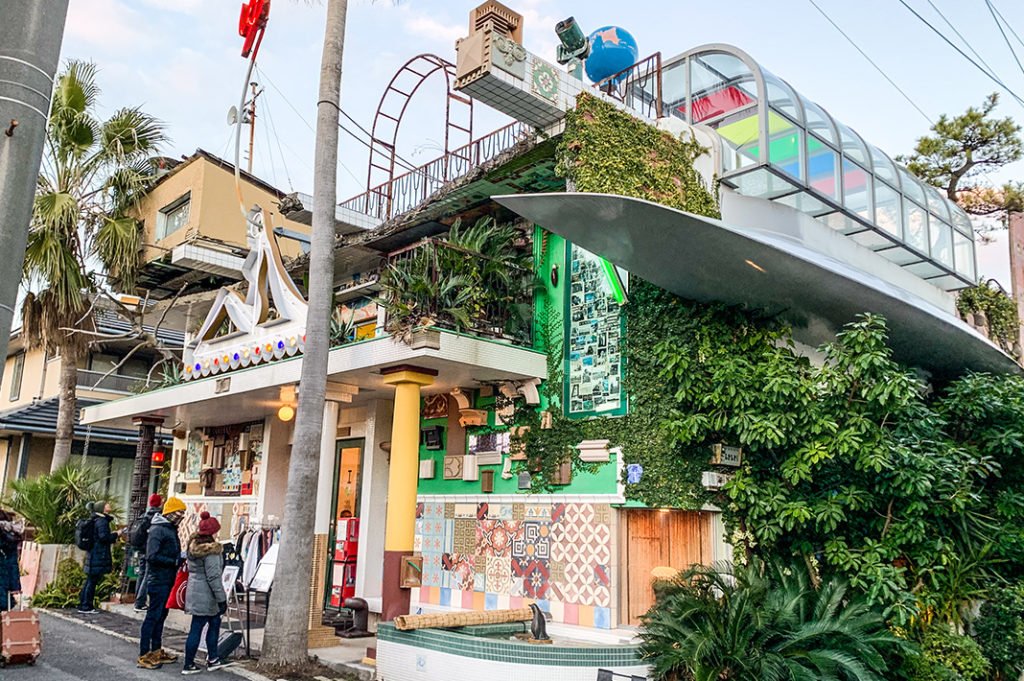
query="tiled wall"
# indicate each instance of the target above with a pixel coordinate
(488, 556)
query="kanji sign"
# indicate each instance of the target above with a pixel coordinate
(252, 23)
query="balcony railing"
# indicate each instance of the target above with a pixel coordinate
(638, 87)
(114, 383)
(407, 191)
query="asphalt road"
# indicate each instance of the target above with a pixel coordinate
(72, 652)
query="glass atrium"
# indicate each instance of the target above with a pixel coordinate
(818, 165)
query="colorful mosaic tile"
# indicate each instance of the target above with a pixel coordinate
(419, 510)
(449, 511)
(417, 543)
(556, 568)
(538, 512)
(501, 512)
(518, 511)
(601, 575)
(480, 564)
(481, 511)
(462, 571)
(557, 512)
(479, 581)
(535, 576)
(516, 586)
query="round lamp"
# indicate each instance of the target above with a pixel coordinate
(286, 413)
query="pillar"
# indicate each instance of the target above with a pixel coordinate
(1016, 236)
(403, 478)
(325, 479)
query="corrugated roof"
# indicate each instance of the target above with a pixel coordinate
(41, 417)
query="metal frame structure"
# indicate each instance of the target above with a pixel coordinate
(388, 119)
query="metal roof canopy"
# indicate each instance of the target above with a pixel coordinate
(41, 417)
(707, 260)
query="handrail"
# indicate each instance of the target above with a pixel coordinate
(629, 86)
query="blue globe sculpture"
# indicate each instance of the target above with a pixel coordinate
(612, 49)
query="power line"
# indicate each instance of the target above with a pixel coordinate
(871, 61)
(960, 35)
(280, 151)
(963, 54)
(1008, 26)
(1006, 39)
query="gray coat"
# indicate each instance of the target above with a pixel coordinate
(205, 589)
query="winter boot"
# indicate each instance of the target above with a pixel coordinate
(149, 661)
(164, 657)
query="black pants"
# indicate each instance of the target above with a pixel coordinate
(152, 634)
(87, 597)
(212, 625)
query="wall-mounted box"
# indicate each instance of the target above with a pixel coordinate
(427, 467)
(411, 574)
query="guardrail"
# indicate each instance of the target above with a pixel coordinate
(407, 191)
(114, 383)
(638, 87)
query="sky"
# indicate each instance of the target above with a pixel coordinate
(180, 61)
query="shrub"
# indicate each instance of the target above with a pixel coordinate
(946, 656)
(53, 503)
(63, 591)
(999, 631)
(764, 622)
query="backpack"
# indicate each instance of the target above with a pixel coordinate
(85, 533)
(138, 534)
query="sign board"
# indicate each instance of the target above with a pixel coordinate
(227, 579)
(264, 577)
(722, 455)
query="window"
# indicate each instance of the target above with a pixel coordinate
(17, 371)
(173, 216)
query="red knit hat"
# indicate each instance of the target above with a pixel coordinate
(208, 525)
(156, 500)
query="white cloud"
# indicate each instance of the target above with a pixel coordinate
(107, 24)
(423, 25)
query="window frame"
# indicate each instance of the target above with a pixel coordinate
(17, 377)
(164, 213)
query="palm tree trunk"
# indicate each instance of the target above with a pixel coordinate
(67, 406)
(286, 641)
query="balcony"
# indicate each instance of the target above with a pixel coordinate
(114, 383)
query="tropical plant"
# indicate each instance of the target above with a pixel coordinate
(946, 655)
(999, 630)
(53, 503)
(64, 590)
(764, 622)
(999, 308)
(475, 278)
(343, 327)
(93, 172)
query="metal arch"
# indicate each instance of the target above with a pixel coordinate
(388, 120)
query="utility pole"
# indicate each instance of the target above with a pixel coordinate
(251, 115)
(31, 32)
(286, 641)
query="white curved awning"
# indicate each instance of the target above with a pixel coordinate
(707, 260)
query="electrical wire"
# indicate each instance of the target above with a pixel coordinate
(280, 151)
(1006, 39)
(1008, 26)
(961, 36)
(871, 61)
(963, 54)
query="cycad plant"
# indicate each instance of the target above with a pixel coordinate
(764, 623)
(53, 503)
(93, 172)
(477, 277)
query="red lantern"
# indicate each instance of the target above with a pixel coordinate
(158, 458)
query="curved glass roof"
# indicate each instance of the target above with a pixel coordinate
(817, 165)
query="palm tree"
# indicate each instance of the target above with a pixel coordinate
(93, 172)
(764, 623)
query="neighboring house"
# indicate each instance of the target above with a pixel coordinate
(29, 398)
(823, 226)
(193, 229)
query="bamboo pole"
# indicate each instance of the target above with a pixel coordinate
(462, 619)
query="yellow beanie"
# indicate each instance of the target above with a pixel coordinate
(173, 504)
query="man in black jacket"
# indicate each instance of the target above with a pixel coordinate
(139, 539)
(98, 560)
(163, 556)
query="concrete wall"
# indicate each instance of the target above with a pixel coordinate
(214, 208)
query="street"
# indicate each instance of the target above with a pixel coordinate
(73, 652)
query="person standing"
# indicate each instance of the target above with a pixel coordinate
(163, 556)
(205, 598)
(139, 536)
(98, 561)
(11, 534)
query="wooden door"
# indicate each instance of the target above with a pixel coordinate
(657, 538)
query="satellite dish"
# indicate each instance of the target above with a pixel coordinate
(232, 115)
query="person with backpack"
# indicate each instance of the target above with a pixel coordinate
(11, 534)
(98, 561)
(138, 536)
(205, 598)
(163, 556)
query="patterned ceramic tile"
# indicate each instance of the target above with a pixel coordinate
(534, 541)
(603, 514)
(501, 512)
(516, 587)
(535, 576)
(496, 537)
(418, 526)
(419, 510)
(481, 511)
(417, 542)
(518, 511)
(538, 512)
(555, 592)
(601, 575)
(449, 511)
(602, 618)
(464, 540)
(480, 564)
(448, 540)
(434, 510)
(465, 511)
(462, 571)
(602, 596)
(499, 574)
(452, 470)
(557, 570)
(557, 512)
(479, 581)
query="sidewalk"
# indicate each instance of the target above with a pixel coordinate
(114, 621)
(344, 658)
